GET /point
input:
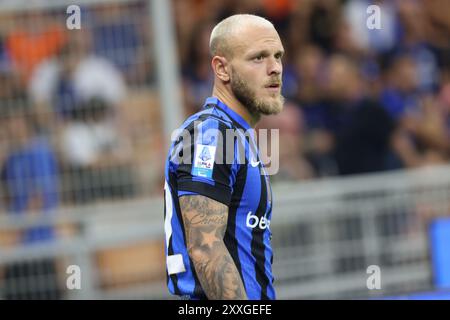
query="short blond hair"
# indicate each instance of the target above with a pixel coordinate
(219, 42)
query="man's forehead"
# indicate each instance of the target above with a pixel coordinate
(252, 38)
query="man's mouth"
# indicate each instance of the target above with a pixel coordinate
(274, 86)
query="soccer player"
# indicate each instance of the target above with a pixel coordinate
(218, 200)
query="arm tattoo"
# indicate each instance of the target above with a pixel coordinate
(205, 222)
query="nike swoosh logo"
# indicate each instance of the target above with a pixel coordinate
(254, 163)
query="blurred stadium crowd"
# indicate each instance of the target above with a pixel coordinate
(79, 123)
(80, 118)
(68, 118)
(358, 100)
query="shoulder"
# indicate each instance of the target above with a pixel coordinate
(210, 116)
(207, 120)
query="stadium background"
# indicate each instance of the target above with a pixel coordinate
(86, 117)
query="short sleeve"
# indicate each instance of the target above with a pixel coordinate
(204, 166)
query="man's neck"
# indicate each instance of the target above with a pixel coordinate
(236, 106)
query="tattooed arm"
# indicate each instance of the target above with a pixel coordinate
(205, 222)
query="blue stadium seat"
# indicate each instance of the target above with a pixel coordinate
(440, 251)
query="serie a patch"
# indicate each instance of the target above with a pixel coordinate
(204, 160)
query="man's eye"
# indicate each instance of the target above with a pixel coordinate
(258, 58)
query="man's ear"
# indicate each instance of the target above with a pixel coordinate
(221, 68)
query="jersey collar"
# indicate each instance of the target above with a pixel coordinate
(233, 114)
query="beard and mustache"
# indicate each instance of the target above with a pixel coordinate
(247, 96)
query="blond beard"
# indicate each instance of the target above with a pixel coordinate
(247, 98)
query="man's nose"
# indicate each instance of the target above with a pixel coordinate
(275, 67)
